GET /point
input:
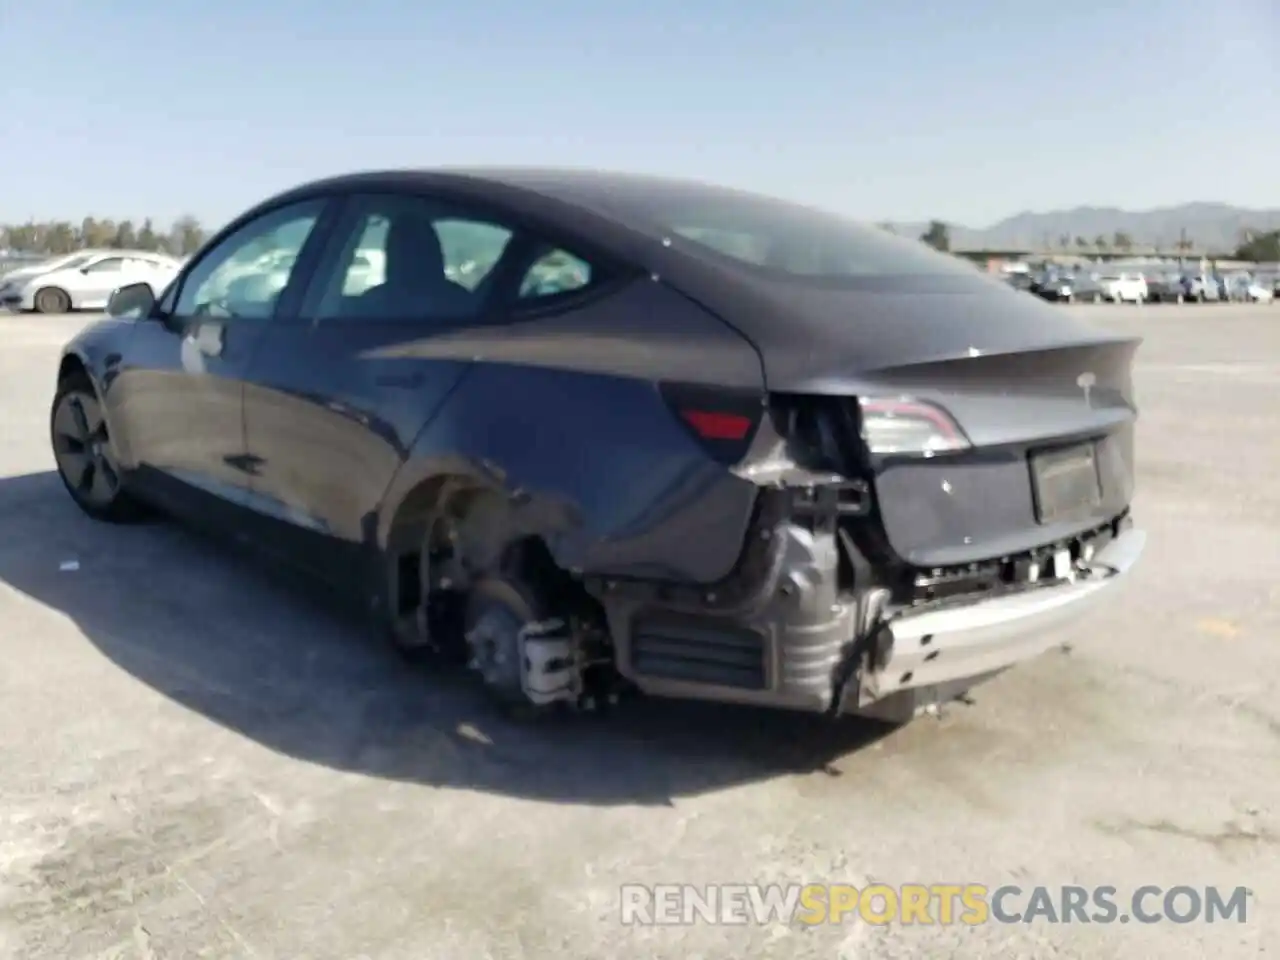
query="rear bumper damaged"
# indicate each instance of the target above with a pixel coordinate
(805, 622)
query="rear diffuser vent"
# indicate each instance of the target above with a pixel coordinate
(699, 651)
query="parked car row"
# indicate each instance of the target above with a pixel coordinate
(1136, 287)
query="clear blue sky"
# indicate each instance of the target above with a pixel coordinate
(967, 110)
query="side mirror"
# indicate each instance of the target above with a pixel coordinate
(133, 301)
(85, 271)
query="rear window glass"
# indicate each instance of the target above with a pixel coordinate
(769, 235)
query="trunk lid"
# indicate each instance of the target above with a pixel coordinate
(826, 341)
(1019, 377)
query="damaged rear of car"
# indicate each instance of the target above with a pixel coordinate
(943, 468)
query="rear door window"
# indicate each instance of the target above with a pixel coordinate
(471, 248)
(407, 257)
(413, 257)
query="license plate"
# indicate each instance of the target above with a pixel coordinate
(1065, 483)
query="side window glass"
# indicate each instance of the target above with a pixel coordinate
(471, 249)
(109, 265)
(244, 275)
(555, 272)
(408, 257)
(366, 266)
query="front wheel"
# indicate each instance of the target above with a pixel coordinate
(52, 300)
(85, 454)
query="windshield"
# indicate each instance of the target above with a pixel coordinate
(69, 262)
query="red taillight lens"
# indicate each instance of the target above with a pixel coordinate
(723, 421)
(710, 425)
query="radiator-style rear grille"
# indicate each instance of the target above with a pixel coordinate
(699, 652)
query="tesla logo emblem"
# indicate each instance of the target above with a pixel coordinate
(1086, 382)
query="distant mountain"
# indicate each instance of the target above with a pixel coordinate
(1210, 227)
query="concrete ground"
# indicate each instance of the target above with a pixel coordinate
(196, 761)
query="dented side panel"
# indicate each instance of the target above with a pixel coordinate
(564, 418)
(597, 466)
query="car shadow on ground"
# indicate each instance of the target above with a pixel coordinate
(264, 656)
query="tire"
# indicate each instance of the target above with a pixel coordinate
(84, 453)
(52, 300)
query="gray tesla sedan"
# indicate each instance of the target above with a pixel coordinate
(587, 433)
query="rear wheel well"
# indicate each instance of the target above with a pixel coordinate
(71, 366)
(466, 530)
(474, 581)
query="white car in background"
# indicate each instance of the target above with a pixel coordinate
(32, 268)
(1259, 290)
(1124, 287)
(85, 280)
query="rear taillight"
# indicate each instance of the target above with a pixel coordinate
(715, 425)
(723, 421)
(908, 427)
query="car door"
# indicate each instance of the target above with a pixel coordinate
(159, 272)
(100, 278)
(140, 269)
(177, 391)
(329, 413)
